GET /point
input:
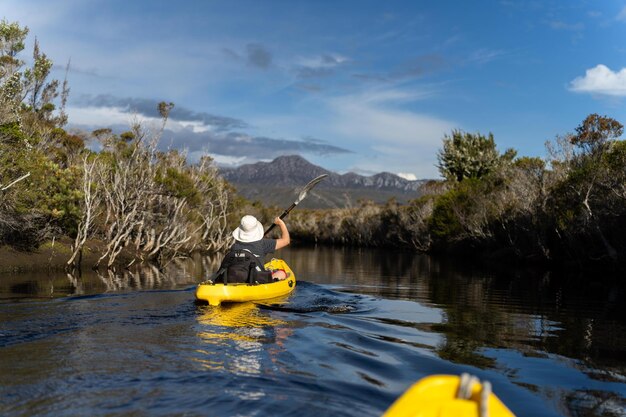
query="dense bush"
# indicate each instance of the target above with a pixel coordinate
(152, 204)
(466, 155)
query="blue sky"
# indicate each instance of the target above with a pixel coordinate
(364, 86)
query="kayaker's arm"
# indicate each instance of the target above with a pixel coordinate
(284, 239)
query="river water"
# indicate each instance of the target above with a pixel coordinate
(360, 328)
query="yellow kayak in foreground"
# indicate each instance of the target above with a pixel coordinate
(216, 294)
(448, 396)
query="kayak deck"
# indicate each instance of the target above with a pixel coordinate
(215, 294)
(439, 396)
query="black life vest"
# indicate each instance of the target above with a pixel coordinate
(242, 266)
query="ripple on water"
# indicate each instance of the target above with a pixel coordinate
(347, 347)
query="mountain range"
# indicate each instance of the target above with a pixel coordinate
(279, 181)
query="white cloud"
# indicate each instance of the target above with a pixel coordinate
(407, 176)
(400, 140)
(99, 116)
(109, 116)
(392, 96)
(601, 80)
(223, 159)
(622, 15)
(196, 127)
(376, 117)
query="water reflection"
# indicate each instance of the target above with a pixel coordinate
(380, 317)
(236, 315)
(239, 336)
(52, 284)
(527, 310)
(547, 317)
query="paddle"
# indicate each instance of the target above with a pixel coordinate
(301, 197)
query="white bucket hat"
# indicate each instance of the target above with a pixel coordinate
(249, 230)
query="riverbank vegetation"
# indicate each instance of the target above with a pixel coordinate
(569, 208)
(141, 201)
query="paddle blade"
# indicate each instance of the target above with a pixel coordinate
(309, 186)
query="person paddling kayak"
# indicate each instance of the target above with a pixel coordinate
(251, 247)
(244, 275)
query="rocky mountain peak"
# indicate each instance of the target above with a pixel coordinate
(294, 170)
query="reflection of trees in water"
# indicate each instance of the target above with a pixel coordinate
(149, 276)
(534, 312)
(531, 312)
(76, 283)
(402, 273)
(141, 277)
(585, 320)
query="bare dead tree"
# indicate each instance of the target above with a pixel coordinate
(415, 222)
(166, 234)
(155, 201)
(126, 188)
(162, 231)
(177, 227)
(90, 206)
(215, 234)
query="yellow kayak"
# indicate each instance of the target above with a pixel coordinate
(219, 293)
(448, 396)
